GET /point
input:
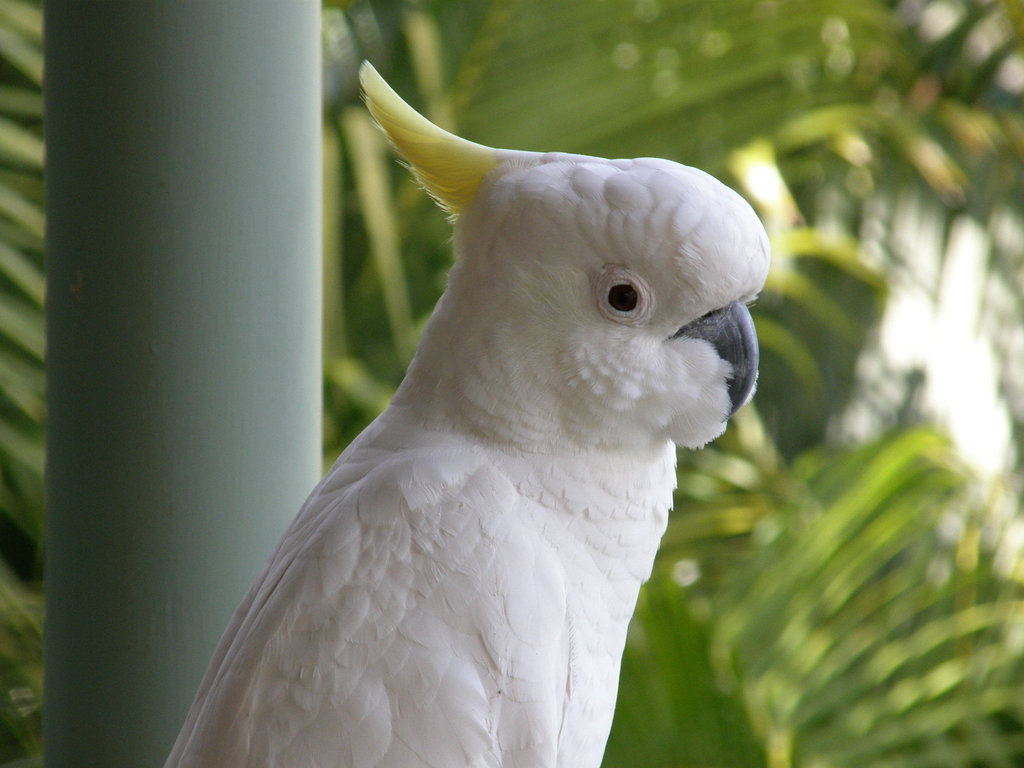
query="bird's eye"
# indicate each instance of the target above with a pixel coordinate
(623, 297)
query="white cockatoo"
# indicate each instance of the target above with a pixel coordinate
(455, 592)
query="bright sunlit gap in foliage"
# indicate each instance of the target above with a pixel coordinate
(765, 183)
(936, 326)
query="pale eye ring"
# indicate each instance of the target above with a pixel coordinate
(622, 295)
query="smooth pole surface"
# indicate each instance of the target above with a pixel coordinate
(184, 389)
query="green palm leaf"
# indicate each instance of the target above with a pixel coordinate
(21, 377)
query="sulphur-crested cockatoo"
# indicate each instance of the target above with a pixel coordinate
(455, 592)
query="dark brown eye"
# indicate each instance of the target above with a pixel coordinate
(623, 297)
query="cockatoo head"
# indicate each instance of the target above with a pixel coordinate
(592, 302)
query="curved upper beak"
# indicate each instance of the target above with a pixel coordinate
(730, 330)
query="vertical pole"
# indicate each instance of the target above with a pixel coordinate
(183, 203)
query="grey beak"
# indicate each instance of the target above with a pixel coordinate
(730, 330)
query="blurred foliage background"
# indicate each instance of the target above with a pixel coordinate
(841, 582)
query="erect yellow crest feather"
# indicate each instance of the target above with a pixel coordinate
(449, 168)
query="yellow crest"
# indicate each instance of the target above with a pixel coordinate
(448, 167)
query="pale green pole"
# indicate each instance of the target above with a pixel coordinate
(184, 389)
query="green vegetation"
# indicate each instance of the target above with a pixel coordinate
(21, 378)
(841, 582)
